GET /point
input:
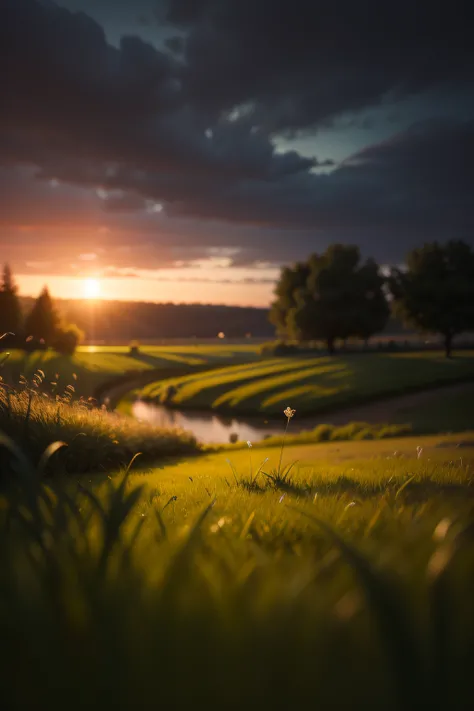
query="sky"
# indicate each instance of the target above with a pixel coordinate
(184, 150)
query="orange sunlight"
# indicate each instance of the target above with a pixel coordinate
(92, 289)
(142, 289)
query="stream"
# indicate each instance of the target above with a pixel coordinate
(210, 428)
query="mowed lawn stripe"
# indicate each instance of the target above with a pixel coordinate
(314, 384)
(251, 394)
(205, 390)
(210, 384)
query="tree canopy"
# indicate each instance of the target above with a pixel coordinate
(330, 296)
(42, 323)
(435, 292)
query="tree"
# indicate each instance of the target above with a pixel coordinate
(330, 296)
(372, 311)
(43, 320)
(292, 280)
(435, 292)
(10, 311)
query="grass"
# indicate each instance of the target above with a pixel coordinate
(352, 431)
(349, 585)
(332, 576)
(94, 439)
(96, 365)
(453, 413)
(311, 385)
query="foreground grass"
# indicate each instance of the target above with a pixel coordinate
(96, 440)
(351, 589)
(311, 384)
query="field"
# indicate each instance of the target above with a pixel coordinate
(310, 385)
(336, 575)
(224, 587)
(96, 365)
(453, 412)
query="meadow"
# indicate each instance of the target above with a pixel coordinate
(310, 384)
(345, 584)
(452, 412)
(93, 366)
(138, 567)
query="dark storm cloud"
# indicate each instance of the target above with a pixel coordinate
(104, 104)
(192, 130)
(301, 63)
(176, 44)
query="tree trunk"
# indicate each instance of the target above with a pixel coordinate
(330, 344)
(448, 341)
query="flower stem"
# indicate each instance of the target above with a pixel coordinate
(283, 445)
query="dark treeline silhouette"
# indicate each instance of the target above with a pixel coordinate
(123, 321)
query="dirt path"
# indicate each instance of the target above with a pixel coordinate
(386, 410)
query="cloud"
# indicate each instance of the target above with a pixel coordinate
(193, 131)
(176, 44)
(98, 105)
(301, 63)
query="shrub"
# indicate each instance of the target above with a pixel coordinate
(66, 340)
(323, 433)
(134, 348)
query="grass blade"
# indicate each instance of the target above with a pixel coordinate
(389, 608)
(46, 456)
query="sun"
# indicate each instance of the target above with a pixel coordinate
(91, 288)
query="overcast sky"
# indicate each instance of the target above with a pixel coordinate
(183, 150)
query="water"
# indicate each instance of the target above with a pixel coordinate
(208, 427)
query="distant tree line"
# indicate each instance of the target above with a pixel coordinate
(124, 321)
(335, 295)
(42, 326)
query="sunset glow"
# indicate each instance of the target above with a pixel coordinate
(92, 289)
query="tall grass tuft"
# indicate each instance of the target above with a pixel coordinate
(97, 440)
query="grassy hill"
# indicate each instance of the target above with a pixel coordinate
(310, 384)
(92, 366)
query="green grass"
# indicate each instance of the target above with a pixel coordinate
(96, 440)
(330, 576)
(205, 351)
(454, 412)
(96, 365)
(352, 431)
(348, 586)
(313, 384)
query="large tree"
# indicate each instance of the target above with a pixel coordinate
(435, 293)
(372, 310)
(330, 296)
(43, 320)
(10, 311)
